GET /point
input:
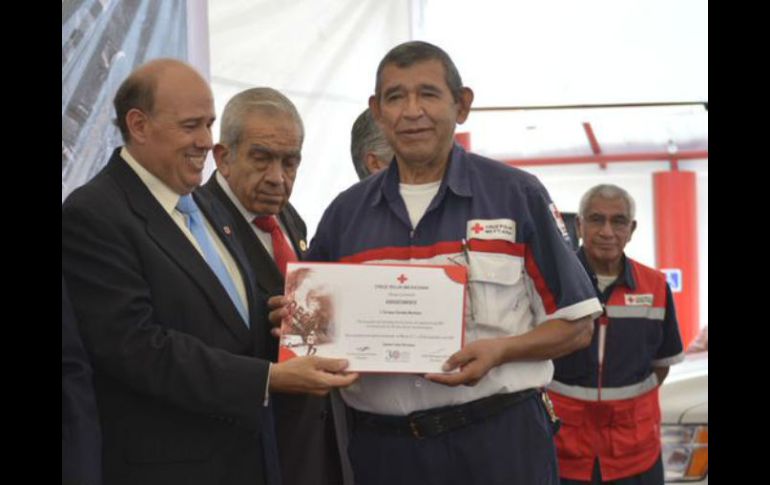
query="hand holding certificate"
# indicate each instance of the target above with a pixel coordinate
(381, 318)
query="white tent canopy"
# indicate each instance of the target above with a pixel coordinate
(323, 55)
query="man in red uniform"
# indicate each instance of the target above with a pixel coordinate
(607, 394)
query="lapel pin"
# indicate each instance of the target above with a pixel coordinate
(302, 245)
(227, 230)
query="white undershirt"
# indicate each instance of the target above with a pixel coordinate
(604, 281)
(417, 198)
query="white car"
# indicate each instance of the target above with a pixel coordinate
(684, 405)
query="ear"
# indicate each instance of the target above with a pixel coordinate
(464, 105)
(579, 227)
(221, 153)
(633, 228)
(374, 107)
(136, 121)
(373, 163)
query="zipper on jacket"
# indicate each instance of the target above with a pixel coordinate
(602, 344)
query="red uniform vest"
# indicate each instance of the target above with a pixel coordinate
(619, 425)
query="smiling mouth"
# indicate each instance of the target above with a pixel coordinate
(197, 161)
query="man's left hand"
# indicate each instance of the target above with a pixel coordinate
(474, 361)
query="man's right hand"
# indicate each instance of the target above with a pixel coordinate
(310, 374)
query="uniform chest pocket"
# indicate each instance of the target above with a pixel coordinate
(497, 290)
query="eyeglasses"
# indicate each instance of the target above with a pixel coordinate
(618, 223)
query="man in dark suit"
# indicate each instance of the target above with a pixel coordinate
(81, 440)
(164, 298)
(257, 159)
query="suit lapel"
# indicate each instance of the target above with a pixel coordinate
(164, 231)
(266, 273)
(262, 268)
(223, 227)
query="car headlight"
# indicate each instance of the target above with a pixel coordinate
(685, 452)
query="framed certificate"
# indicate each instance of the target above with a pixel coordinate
(382, 318)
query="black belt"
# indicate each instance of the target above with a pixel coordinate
(436, 421)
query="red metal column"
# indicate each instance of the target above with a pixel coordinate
(676, 242)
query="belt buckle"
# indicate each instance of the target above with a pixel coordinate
(415, 429)
(417, 424)
(429, 424)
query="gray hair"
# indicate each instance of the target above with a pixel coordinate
(410, 53)
(262, 100)
(366, 136)
(607, 191)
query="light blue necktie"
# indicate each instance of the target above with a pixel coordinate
(187, 206)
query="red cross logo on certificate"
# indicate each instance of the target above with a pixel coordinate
(477, 228)
(402, 278)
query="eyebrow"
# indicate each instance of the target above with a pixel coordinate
(391, 90)
(255, 148)
(420, 87)
(198, 119)
(608, 216)
(430, 87)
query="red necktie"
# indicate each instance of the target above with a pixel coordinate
(282, 252)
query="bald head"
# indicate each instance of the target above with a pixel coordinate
(165, 111)
(140, 89)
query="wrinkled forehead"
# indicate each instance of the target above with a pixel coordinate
(278, 129)
(262, 116)
(428, 71)
(608, 206)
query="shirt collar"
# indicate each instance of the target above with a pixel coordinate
(247, 214)
(458, 172)
(165, 196)
(626, 275)
(456, 178)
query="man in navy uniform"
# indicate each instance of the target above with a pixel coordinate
(530, 300)
(607, 393)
